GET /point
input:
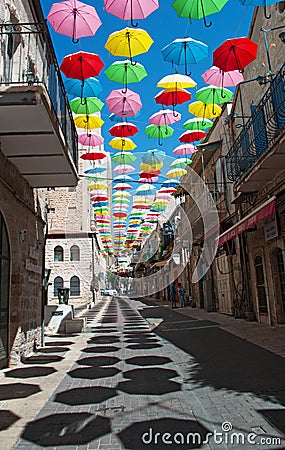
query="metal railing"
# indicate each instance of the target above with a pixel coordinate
(260, 131)
(28, 59)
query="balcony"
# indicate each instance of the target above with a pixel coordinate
(258, 154)
(37, 131)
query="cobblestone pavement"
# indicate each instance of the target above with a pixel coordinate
(144, 376)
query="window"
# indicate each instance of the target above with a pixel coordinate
(58, 254)
(260, 284)
(281, 274)
(57, 284)
(74, 253)
(74, 286)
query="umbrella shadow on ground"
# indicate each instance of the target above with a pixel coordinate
(18, 390)
(104, 340)
(66, 429)
(151, 381)
(30, 372)
(53, 350)
(7, 418)
(57, 343)
(103, 330)
(92, 373)
(85, 395)
(143, 346)
(42, 359)
(151, 360)
(163, 434)
(97, 361)
(103, 349)
(141, 340)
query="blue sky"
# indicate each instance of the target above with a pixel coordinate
(163, 26)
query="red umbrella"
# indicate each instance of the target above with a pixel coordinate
(151, 174)
(192, 136)
(99, 198)
(235, 54)
(81, 65)
(92, 156)
(123, 129)
(172, 97)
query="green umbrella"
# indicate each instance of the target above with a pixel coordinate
(198, 9)
(125, 72)
(159, 131)
(91, 105)
(213, 94)
(197, 124)
(181, 162)
(123, 158)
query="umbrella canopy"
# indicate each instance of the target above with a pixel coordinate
(262, 3)
(123, 158)
(153, 157)
(181, 162)
(198, 9)
(185, 149)
(159, 132)
(94, 170)
(98, 186)
(176, 173)
(122, 187)
(172, 97)
(192, 136)
(213, 94)
(93, 156)
(185, 51)
(90, 106)
(145, 188)
(81, 65)
(124, 103)
(197, 124)
(219, 78)
(88, 122)
(124, 169)
(147, 180)
(200, 109)
(75, 19)
(164, 117)
(123, 129)
(235, 54)
(176, 81)
(125, 72)
(122, 144)
(123, 178)
(91, 88)
(90, 140)
(131, 9)
(150, 167)
(128, 42)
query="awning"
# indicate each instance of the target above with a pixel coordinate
(260, 213)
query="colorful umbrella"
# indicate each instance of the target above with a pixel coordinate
(124, 103)
(185, 51)
(200, 109)
(152, 158)
(151, 166)
(125, 72)
(128, 42)
(122, 144)
(94, 170)
(159, 132)
(164, 117)
(170, 183)
(219, 78)
(122, 187)
(262, 3)
(81, 65)
(123, 158)
(181, 162)
(198, 9)
(90, 140)
(146, 188)
(121, 194)
(91, 88)
(98, 186)
(172, 97)
(235, 54)
(75, 19)
(123, 178)
(197, 124)
(192, 136)
(213, 94)
(88, 122)
(90, 106)
(93, 156)
(131, 9)
(176, 81)
(123, 169)
(147, 180)
(185, 149)
(123, 129)
(176, 173)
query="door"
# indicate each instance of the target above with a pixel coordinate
(4, 292)
(260, 285)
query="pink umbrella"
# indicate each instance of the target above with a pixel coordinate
(90, 140)
(123, 168)
(219, 78)
(130, 9)
(124, 104)
(164, 117)
(75, 19)
(146, 180)
(185, 149)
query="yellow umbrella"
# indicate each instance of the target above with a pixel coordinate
(99, 186)
(122, 143)
(128, 42)
(88, 122)
(160, 202)
(177, 81)
(200, 109)
(121, 194)
(175, 173)
(150, 167)
(101, 213)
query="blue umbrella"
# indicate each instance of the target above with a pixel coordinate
(170, 183)
(153, 156)
(114, 118)
(93, 170)
(92, 87)
(261, 3)
(99, 204)
(185, 51)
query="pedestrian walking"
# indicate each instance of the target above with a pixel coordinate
(173, 295)
(181, 295)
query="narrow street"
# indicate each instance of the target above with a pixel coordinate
(146, 376)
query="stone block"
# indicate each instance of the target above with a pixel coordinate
(75, 325)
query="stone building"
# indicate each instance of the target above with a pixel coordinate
(38, 149)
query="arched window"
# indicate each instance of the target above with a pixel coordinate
(260, 284)
(57, 284)
(74, 253)
(58, 253)
(74, 286)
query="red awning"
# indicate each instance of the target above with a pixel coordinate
(260, 213)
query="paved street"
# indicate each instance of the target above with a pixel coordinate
(144, 376)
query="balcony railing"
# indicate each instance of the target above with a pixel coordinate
(28, 59)
(260, 131)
